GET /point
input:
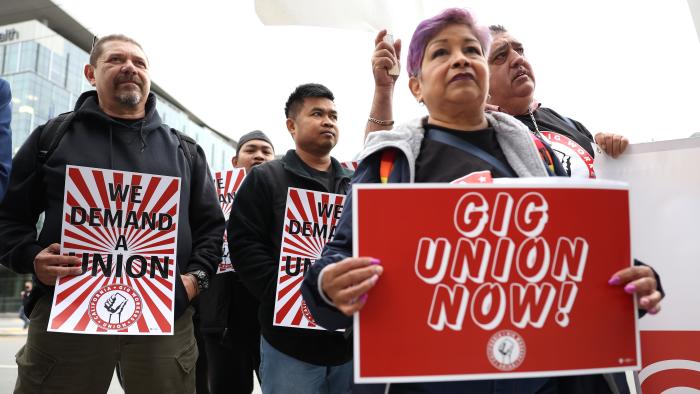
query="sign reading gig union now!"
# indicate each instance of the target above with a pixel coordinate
(310, 221)
(123, 226)
(490, 281)
(227, 183)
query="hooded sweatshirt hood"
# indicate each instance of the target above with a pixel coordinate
(87, 108)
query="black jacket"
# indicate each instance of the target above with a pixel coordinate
(254, 237)
(93, 139)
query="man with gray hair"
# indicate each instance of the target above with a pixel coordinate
(115, 127)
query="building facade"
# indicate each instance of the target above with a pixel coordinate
(45, 72)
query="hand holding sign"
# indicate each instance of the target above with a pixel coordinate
(612, 144)
(50, 265)
(347, 282)
(640, 280)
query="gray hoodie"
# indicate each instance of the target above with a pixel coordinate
(513, 137)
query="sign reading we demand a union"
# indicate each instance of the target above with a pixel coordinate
(494, 281)
(123, 227)
(311, 219)
(227, 184)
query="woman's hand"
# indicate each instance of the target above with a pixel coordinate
(640, 280)
(347, 282)
(385, 57)
(612, 144)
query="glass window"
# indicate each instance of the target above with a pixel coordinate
(2, 58)
(11, 58)
(58, 69)
(44, 61)
(27, 60)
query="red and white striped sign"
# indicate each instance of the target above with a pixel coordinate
(227, 184)
(310, 221)
(123, 226)
(350, 165)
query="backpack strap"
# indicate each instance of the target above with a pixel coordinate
(469, 148)
(51, 135)
(188, 145)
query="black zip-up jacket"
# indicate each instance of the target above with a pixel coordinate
(93, 139)
(254, 237)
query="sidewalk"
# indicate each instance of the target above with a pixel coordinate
(11, 325)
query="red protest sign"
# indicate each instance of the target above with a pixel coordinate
(671, 361)
(227, 184)
(123, 226)
(493, 280)
(310, 222)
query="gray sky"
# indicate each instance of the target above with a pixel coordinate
(630, 67)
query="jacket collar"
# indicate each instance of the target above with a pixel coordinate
(513, 137)
(293, 163)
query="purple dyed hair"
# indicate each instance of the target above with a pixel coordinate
(430, 27)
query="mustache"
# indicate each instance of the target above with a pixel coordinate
(123, 78)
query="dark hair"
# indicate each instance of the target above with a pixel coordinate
(98, 46)
(497, 29)
(296, 99)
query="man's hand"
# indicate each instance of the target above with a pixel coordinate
(385, 57)
(50, 265)
(639, 280)
(190, 283)
(612, 144)
(347, 282)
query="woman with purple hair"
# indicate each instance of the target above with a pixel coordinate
(449, 75)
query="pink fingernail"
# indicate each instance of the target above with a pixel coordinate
(615, 280)
(374, 278)
(363, 298)
(629, 288)
(375, 261)
(654, 311)
(644, 301)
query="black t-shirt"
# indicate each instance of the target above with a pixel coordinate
(128, 122)
(439, 162)
(569, 139)
(326, 178)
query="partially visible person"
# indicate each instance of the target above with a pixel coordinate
(513, 91)
(293, 360)
(228, 311)
(449, 74)
(24, 297)
(5, 135)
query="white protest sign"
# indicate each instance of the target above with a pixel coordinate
(227, 184)
(664, 186)
(310, 222)
(123, 227)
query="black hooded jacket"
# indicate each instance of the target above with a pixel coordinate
(93, 139)
(254, 239)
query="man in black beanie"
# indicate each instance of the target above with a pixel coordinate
(228, 311)
(253, 148)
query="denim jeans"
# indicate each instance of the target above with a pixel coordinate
(283, 374)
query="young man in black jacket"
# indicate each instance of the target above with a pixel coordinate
(115, 127)
(228, 311)
(294, 360)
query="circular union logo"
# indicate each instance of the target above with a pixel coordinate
(506, 350)
(115, 307)
(307, 313)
